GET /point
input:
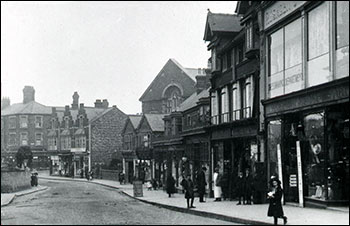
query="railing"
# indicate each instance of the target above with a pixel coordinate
(231, 116)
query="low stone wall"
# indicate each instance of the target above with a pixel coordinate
(13, 181)
(110, 174)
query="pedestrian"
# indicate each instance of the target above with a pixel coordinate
(154, 184)
(240, 188)
(170, 185)
(225, 185)
(275, 207)
(217, 185)
(248, 187)
(188, 186)
(201, 183)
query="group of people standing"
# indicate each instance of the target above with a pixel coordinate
(244, 186)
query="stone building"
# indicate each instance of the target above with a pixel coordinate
(24, 124)
(84, 138)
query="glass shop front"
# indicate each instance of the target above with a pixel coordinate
(309, 151)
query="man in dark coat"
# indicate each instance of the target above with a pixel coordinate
(248, 187)
(201, 183)
(188, 186)
(170, 185)
(240, 188)
(275, 207)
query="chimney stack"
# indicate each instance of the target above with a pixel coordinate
(5, 102)
(105, 103)
(28, 94)
(75, 103)
(202, 83)
(98, 103)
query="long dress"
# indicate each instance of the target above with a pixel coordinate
(217, 189)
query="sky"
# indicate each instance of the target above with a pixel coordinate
(102, 50)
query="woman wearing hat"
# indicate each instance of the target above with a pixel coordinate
(275, 208)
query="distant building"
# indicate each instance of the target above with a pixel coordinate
(25, 124)
(169, 89)
(84, 138)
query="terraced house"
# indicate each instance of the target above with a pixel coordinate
(24, 124)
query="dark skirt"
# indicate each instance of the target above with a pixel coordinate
(275, 209)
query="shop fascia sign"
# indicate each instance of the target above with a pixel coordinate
(78, 150)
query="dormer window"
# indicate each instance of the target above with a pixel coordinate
(249, 35)
(81, 121)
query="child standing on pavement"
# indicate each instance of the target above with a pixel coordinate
(275, 207)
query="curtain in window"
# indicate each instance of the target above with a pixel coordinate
(248, 97)
(236, 101)
(224, 105)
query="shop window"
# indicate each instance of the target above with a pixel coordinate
(342, 39)
(274, 139)
(315, 161)
(318, 46)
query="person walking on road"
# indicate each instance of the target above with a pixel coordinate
(188, 186)
(170, 185)
(217, 185)
(240, 188)
(275, 207)
(201, 183)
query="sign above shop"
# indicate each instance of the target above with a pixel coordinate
(280, 10)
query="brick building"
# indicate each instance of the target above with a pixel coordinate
(82, 138)
(24, 124)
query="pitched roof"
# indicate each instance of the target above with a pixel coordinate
(91, 112)
(193, 99)
(31, 107)
(155, 121)
(135, 120)
(218, 22)
(152, 92)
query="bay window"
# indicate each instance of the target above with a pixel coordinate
(236, 101)
(247, 97)
(224, 105)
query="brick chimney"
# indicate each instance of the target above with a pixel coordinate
(75, 103)
(28, 94)
(105, 103)
(202, 83)
(66, 110)
(5, 102)
(98, 103)
(81, 109)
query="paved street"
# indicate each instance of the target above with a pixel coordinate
(68, 202)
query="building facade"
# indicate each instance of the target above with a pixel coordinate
(25, 124)
(305, 71)
(84, 138)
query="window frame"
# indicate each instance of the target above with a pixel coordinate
(41, 139)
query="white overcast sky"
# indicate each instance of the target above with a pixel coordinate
(102, 50)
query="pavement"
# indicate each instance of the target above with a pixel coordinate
(255, 214)
(7, 198)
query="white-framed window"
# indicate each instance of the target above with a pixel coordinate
(66, 122)
(12, 139)
(12, 122)
(38, 121)
(38, 139)
(66, 142)
(248, 95)
(214, 108)
(224, 105)
(236, 101)
(80, 142)
(81, 121)
(249, 35)
(52, 143)
(24, 138)
(23, 121)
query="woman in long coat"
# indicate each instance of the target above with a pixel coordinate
(188, 186)
(201, 183)
(170, 185)
(275, 208)
(217, 185)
